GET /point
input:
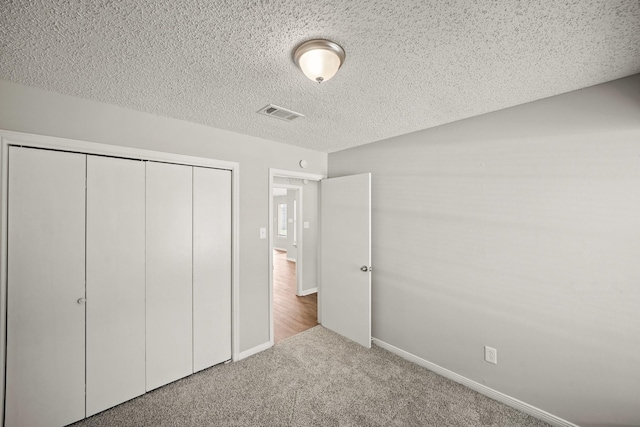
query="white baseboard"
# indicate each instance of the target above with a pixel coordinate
(308, 292)
(480, 388)
(255, 350)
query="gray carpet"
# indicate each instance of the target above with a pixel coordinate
(316, 378)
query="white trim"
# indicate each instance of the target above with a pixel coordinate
(308, 292)
(4, 178)
(255, 350)
(319, 255)
(8, 138)
(235, 263)
(480, 388)
(295, 174)
(285, 174)
(64, 144)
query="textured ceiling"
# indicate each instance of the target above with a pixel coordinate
(410, 64)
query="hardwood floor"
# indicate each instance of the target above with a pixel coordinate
(291, 314)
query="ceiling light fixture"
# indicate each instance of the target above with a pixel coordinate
(319, 59)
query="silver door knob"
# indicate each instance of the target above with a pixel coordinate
(364, 268)
(82, 300)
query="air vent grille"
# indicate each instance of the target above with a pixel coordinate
(279, 113)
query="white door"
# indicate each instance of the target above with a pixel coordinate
(169, 262)
(45, 371)
(115, 281)
(211, 267)
(346, 256)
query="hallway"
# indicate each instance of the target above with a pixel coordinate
(291, 314)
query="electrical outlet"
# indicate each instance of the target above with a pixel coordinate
(491, 355)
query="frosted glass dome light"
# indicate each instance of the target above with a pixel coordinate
(319, 59)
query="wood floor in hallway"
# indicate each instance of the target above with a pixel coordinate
(291, 314)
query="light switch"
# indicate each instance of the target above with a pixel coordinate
(263, 233)
(306, 224)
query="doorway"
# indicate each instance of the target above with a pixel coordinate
(293, 253)
(292, 314)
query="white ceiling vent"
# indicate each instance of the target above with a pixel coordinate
(279, 113)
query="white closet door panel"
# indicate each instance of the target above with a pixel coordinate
(45, 369)
(115, 281)
(211, 267)
(169, 276)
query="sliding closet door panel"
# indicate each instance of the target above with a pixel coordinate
(211, 267)
(115, 281)
(169, 276)
(45, 368)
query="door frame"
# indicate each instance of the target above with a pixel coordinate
(294, 175)
(9, 138)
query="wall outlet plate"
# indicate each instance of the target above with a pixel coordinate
(490, 355)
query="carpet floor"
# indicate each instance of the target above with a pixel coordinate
(316, 378)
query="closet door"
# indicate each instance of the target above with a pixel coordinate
(211, 267)
(45, 369)
(115, 281)
(169, 275)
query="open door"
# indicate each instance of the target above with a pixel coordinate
(346, 256)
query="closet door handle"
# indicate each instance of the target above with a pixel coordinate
(82, 300)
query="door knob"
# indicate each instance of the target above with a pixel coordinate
(365, 268)
(82, 300)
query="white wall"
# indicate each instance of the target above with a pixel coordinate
(520, 230)
(31, 110)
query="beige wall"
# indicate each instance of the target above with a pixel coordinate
(31, 110)
(520, 230)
